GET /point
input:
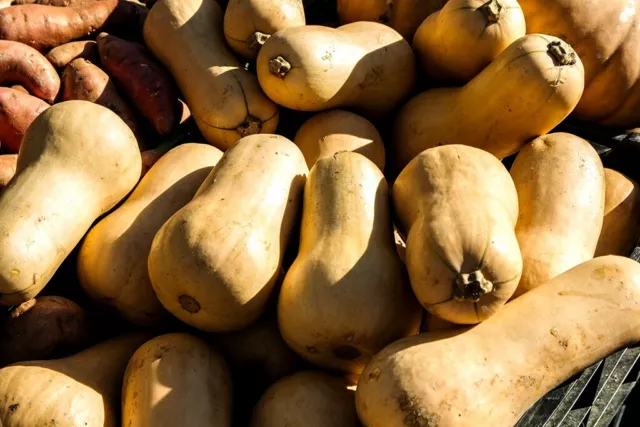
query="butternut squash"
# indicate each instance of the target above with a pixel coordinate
(307, 399)
(365, 65)
(78, 391)
(459, 208)
(561, 192)
(112, 262)
(525, 92)
(225, 99)
(405, 16)
(215, 262)
(249, 23)
(457, 42)
(346, 296)
(176, 380)
(491, 374)
(327, 133)
(434, 323)
(76, 162)
(621, 224)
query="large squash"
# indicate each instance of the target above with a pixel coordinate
(112, 262)
(346, 296)
(76, 162)
(490, 374)
(224, 98)
(458, 206)
(525, 92)
(606, 35)
(215, 262)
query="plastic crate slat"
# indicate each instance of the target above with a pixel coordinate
(609, 413)
(575, 418)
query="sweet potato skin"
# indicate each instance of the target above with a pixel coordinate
(61, 56)
(26, 66)
(145, 82)
(83, 80)
(17, 111)
(42, 328)
(7, 168)
(43, 27)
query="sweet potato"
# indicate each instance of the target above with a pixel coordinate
(43, 27)
(7, 168)
(144, 81)
(22, 64)
(17, 111)
(62, 55)
(42, 328)
(85, 81)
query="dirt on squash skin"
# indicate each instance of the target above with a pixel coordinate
(415, 415)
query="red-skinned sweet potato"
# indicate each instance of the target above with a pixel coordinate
(23, 64)
(62, 55)
(17, 111)
(7, 168)
(145, 82)
(83, 80)
(43, 328)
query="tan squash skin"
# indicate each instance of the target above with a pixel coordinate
(346, 296)
(621, 225)
(307, 399)
(561, 191)
(249, 23)
(215, 262)
(176, 380)
(327, 133)
(457, 42)
(365, 65)
(524, 93)
(78, 391)
(490, 374)
(463, 265)
(431, 323)
(225, 99)
(76, 162)
(112, 263)
(405, 16)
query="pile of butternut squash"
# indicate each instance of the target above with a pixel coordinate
(322, 244)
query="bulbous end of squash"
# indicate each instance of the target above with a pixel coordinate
(562, 53)
(279, 66)
(492, 10)
(251, 126)
(256, 40)
(471, 287)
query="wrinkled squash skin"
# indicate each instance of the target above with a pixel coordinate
(458, 206)
(492, 373)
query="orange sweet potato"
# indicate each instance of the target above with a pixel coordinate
(61, 56)
(145, 82)
(7, 168)
(17, 111)
(22, 64)
(85, 81)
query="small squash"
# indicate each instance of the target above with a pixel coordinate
(307, 399)
(112, 263)
(225, 99)
(459, 207)
(364, 65)
(460, 40)
(346, 296)
(525, 92)
(76, 162)
(327, 133)
(176, 380)
(621, 224)
(404, 16)
(215, 262)
(82, 390)
(561, 191)
(490, 374)
(249, 23)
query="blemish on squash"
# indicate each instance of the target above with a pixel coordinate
(189, 303)
(346, 352)
(13, 408)
(312, 349)
(375, 374)
(554, 332)
(15, 272)
(415, 416)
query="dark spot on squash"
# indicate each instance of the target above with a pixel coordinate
(346, 352)
(189, 303)
(416, 416)
(13, 408)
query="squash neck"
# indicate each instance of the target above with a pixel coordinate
(471, 287)
(492, 11)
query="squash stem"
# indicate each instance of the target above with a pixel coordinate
(562, 53)
(279, 66)
(471, 287)
(492, 10)
(256, 40)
